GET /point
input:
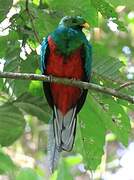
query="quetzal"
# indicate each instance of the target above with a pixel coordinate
(65, 53)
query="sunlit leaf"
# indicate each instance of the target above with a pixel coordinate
(27, 174)
(6, 164)
(64, 171)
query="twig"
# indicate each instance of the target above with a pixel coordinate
(124, 85)
(101, 76)
(32, 22)
(71, 82)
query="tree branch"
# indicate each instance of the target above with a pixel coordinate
(71, 82)
(124, 85)
(32, 22)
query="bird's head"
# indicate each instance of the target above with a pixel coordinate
(74, 22)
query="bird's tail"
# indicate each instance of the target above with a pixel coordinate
(53, 153)
(64, 129)
(61, 135)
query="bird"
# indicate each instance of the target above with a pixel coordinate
(65, 53)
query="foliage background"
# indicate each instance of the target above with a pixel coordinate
(104, 122)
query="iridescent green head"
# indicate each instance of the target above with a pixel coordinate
(74, 22)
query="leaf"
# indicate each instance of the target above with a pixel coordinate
(105, 8)
(34, 105)
(4, 8)
(73, 160)
(113, 116)
(108, 11)
(46, 23)
(84, 9)
(36, 87)
(95, 118)
(63, 171)
(3, 44)
(12, 124)
(6, 164)
(104, 66)
(119, 121)
(1, 84)
(25, 66)
(9, 45)
(27, 174)
(127, 3)
(90, 136)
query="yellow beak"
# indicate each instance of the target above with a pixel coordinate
(85, 25)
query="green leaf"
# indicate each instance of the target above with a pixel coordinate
(12, 124)
(63, 171)
(113, 117)
(34, 105)
(104, 66)
(1, 84)
(9, 46)
(4, 8)
(127, 3)
(90, 136)
(95, 118)
(6, 164)
(73, 160)
(84, 9)
(27, 174)
(25, 66)
(36, 87)
(46, 23)
(119, 121)
(108, 11)
(105, 8)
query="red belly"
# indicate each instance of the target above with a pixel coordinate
(64, 97)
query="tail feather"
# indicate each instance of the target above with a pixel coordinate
(57, 126)
(68, 133)
(64, 129)
(53, 153)
(61, 135)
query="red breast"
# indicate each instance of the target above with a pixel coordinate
(64, 96)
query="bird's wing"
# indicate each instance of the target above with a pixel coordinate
(44, 54)
(88, 60)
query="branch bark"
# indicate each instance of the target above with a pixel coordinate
(124, 85)
(71, 82)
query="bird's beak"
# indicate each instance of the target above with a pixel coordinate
(85, 25)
